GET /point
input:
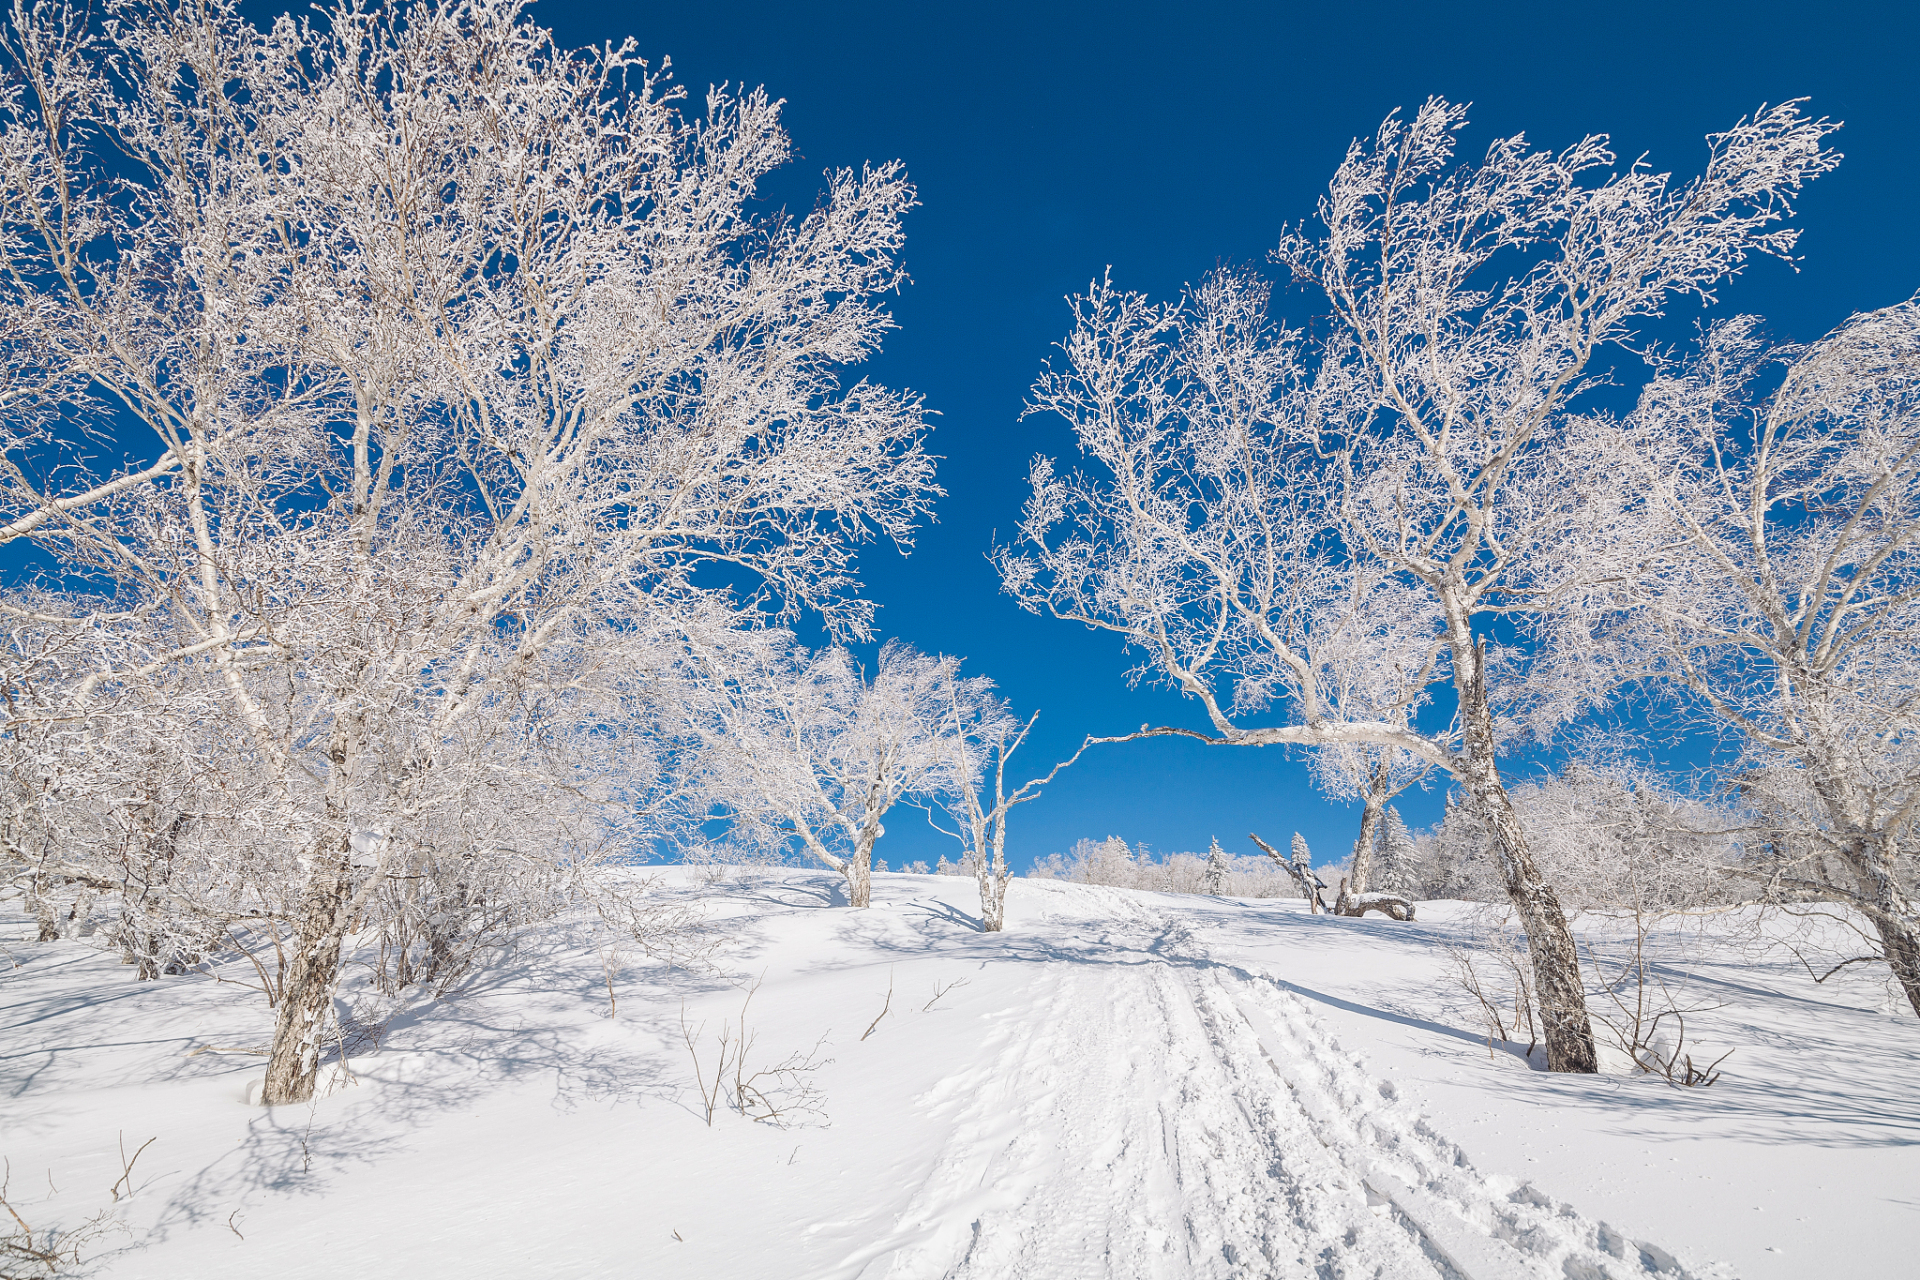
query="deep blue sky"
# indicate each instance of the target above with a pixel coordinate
(1049, 140)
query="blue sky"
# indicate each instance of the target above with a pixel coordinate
(1050, 140)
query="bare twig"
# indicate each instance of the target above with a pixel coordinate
(709, 1096)
(884, 1008)
(26, 1254)
(1637, 1024)
(775, 1094)
(126, 1170)
(940, 991)
(1469, 977)
(1822, 977)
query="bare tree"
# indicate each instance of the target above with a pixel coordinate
(1788, 477)
(463, 356)
(982, 735)
(1337, 522)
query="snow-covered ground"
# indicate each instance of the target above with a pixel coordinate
(1122, 1084)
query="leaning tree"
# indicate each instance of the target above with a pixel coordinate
(1410, 486)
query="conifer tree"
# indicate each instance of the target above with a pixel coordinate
(1216, 867)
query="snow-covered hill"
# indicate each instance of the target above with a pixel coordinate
(1121, 1085)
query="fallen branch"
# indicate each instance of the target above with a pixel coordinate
(1390, 905)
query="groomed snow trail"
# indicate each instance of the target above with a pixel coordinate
(1155, 1114)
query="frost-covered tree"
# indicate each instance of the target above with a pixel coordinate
(981, 734)
(1216, 867)
(1613, 835)
(1300, 867)
(1786, 488)
(1396, 865)
(473, 385)
(807, 746)
(1393, 772)
(1113, 862)
(1338, 521)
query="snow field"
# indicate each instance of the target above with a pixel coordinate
(1123, 1085)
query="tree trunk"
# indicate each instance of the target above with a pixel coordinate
(1900, 942)
(139, 947)
(1894, 915)
(1357, 905)
(305, 1003)
(1873, 858)
(306, 996)
(992, 873)
(1550, 946)
(993, 900)
(1302, 873)
(1361, 868)
(859, 872)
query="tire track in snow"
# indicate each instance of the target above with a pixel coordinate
(1155, 1115)
(1117, 1139)
(1081, 1149)
(1477, 1226)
